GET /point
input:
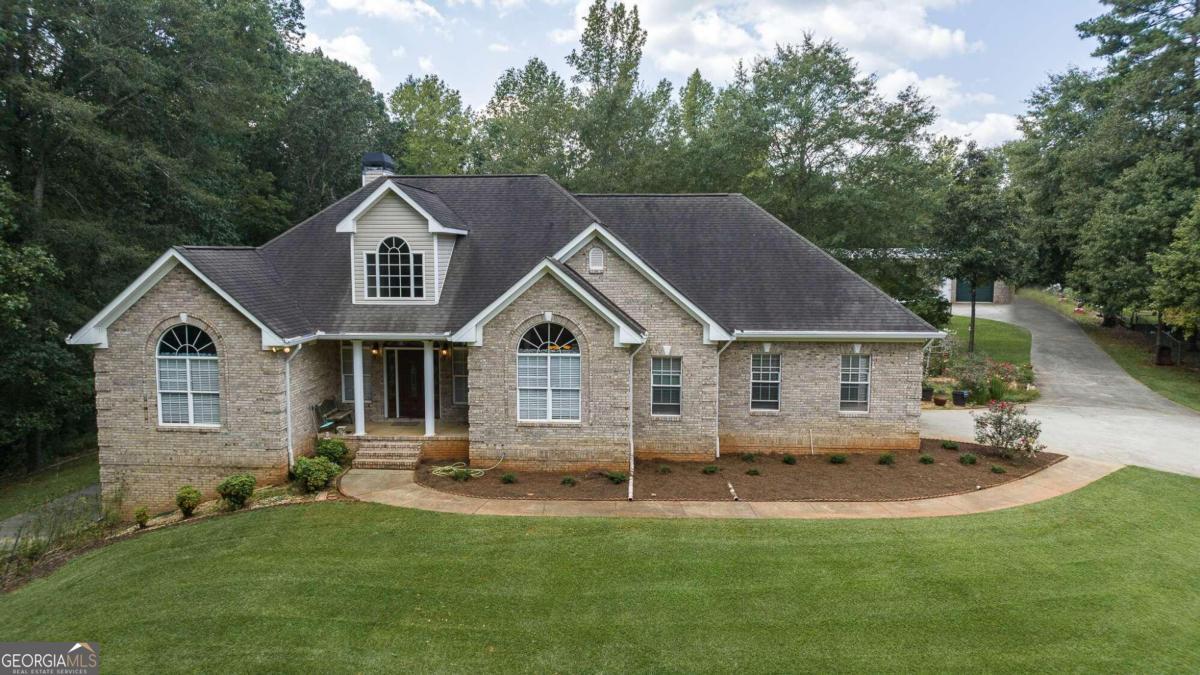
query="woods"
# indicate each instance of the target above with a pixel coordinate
(130, 126)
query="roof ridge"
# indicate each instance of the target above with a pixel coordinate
(574, 200)
(464, 175)
(298, 225)
(215, 246)
(658, 194)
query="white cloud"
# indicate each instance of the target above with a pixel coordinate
(407, 11)
(399, 52)
(992, 129)
(425, 63)
(944, 92)
(561, 36)
(499, 47)
(347, 48)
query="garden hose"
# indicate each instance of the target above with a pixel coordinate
(450, 470)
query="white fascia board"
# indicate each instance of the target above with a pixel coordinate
(839, 335)
(389, 337)
(95, 332)
(350, 222)
(713, 332)
(472, 331)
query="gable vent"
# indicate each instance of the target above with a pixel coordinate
(596, 260)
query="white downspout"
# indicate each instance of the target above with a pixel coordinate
(287, 401)
(631, 358)
(719, 352)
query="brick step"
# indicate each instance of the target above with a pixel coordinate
(372, 463)
(387, 454)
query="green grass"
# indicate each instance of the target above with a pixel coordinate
(1103, 579)
(34, 490)
(996, 339)
(1132, 352)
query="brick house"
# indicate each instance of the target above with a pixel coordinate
(491, 318)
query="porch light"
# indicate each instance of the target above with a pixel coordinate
(287, 350)
(375, 349)
(445, 351)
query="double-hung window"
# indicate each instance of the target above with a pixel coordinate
(348, 374)
(856, 383)
(548, 375)
(765, 376)
(666, 385)
(188, 378)
(458, 362)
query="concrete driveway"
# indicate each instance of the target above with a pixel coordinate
(1089, 406)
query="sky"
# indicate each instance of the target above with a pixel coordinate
(976, 60)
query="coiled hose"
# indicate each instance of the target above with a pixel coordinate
(451, 470)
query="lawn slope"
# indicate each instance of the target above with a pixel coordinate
(1103, 579)
(31, 491)
(995, 339)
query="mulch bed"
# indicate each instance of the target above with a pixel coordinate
(811, 478)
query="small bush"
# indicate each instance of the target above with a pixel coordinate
(996, 468)
(664, 469)
(616, 477)
(748, 456)
(710, 469)
(887, 458)
(569, 481)
(926, 458)
(508, 478)
(314, 473)
(789, 459)
(236, 489)
(332, 449)
(967, 458)
(187, 499)
(949, 445)
(753, 472)
(838, 459)
(142, 516)
(461, 474)
(1005, 427)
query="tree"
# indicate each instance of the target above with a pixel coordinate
(1177, 270)
(527, 125)
(434, 126)
(975, 236)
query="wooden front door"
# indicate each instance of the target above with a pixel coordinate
(405, 386)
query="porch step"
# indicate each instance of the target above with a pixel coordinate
(399, 464)
(387, 454)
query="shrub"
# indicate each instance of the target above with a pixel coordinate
(789, 459)
(838, 459)
(1005, 427)
(753, 472)
(926, 458)
(748, 456)
(664, 469)
(236, 489)
(973, 374)
(508, 478)
(996, 468)
(569, 481)
(710, 469)
(332, 449)
(460, 473)
(997, 388)
(187, 499)
(949, 445)
(314, 473)
(142, 516)
(967, 458)
(615, 476)
(887, 458)
(1025, 374)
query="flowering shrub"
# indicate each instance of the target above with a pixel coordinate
(1005, 427)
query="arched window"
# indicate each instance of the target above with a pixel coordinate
(188, 387)
(548, 374)
(394, 271)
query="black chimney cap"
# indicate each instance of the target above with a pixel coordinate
(378, 160)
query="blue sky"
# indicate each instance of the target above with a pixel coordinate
(977, 60)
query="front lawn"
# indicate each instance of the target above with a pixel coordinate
(1103, 579)
(995, 339)
(1132, 351)
(28, 492)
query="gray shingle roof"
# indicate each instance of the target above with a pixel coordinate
(595, 292)
(740, 265)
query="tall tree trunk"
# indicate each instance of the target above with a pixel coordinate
(971, 333)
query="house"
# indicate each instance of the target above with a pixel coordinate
(498, 318)
(994, 292)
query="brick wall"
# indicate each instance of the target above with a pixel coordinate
(692, 434)
(316, 376)
(146, 463)
(810, 395)
(600, 439)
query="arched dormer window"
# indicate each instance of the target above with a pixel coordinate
(395, 271)
(548, 375)
(188, 383)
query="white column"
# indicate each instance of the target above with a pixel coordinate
(429, 402)
(360, 406)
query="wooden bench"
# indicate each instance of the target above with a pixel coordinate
(330, 415)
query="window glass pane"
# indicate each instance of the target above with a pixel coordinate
(531, 404)
(174, 408)
(666, 379)
(564, 372)
(348, 374)
(531, 371)
(172, 375)
(206, 409)
(204, 375)
(566, 404)
(460, 361)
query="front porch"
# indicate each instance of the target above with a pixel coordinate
(409, 429)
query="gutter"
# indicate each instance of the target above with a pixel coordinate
(631, 358)
(287, 398)
(719, 352)
(817, 335)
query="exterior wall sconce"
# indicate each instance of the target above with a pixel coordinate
(375, 349)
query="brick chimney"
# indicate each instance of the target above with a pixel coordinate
(376, 164)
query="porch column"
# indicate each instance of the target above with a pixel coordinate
(429, 402)
(360, 406)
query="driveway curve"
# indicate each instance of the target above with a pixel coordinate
(1089, 406)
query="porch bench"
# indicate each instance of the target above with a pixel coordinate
(329, 414)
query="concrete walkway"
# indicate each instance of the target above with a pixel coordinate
(1089, 407)
(396, 488)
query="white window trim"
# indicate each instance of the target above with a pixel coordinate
(454, 377)
(190, 394)
(779, 398)
(870, 389)
(549, 390)
(424, 297)
(596, 260)
(346, 347)
(669, 416)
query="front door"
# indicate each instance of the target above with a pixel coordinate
(405, 386)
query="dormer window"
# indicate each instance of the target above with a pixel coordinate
(395, 271)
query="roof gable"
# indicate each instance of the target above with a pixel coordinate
(426, 203)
